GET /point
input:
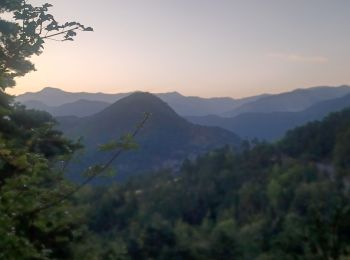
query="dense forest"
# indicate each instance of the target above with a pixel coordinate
(288, 200)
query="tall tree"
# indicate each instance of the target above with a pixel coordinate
(32, 153)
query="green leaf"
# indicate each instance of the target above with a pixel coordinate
(93, 170)
(110, 146)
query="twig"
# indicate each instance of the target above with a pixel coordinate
(59, 33)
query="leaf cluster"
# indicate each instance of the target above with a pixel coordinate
(25, 35)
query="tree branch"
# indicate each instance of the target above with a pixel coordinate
(93, 176)
(59, 33)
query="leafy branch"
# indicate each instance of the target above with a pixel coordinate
(96, 171)
(26, 36)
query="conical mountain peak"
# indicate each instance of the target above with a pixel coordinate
(139, 103)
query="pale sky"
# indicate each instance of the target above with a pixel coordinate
(197, 47)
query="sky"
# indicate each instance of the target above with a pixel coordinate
(205, 48)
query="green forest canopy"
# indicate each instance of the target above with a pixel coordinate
(288, 200)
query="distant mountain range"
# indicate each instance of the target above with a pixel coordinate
(273, 125)
(57, 97)
(204, 106)
(61, 103)
(293, 101)
(265, 116)
(165, 141)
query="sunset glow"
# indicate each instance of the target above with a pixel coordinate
(197, 47)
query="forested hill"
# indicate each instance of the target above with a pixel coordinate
(283, 201)
(165, 140)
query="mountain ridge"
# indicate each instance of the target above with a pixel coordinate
(183, 105)
(273, 125)
(292, 101)
(54, 101)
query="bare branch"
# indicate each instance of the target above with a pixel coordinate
(59, 33)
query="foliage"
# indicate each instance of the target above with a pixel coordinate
(29, 149)
(26, 35)
(32, 152)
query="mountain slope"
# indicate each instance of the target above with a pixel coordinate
(38, 105)
(78, 108)
(294, 101)
(165, 141)
(271, 126)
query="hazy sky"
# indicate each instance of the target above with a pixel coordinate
(197, 47)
